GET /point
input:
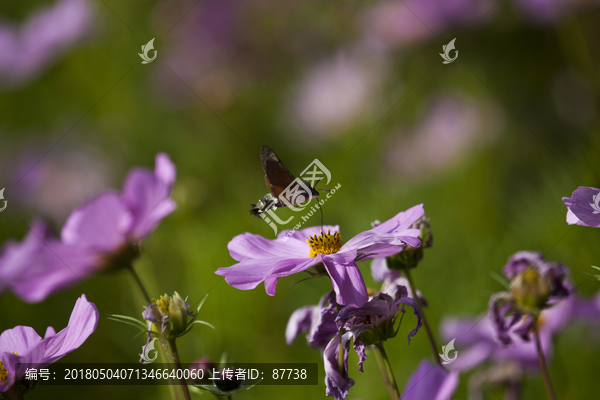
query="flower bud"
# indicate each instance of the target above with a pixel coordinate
(531, 290)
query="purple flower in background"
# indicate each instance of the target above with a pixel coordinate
(318, 321)
(535, 285)
(404, 23)
(264, 260)
(102, 234)
(373, 323)
(66, 177)
(27, 50)
(451, 127)
(23, 345)
(430, 382)
(476, 337)
(583, 207)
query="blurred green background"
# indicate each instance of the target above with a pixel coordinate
(489, 144)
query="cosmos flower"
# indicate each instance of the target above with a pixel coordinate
(27, 50)
(264, 260)
(22, 344)
(337, 381)
(535, 285)
(103, 234)
(583, 207)
(430, 382)
(477, 343)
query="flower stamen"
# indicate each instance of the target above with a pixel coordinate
(324, 243)
(3, 371)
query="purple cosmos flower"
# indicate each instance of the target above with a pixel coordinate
(583, 207)
(264, 260)
(23, 345)
(476, 337)
(373, 323)
(25, 51)
(535, 284)
(102, 234)
(430, 382)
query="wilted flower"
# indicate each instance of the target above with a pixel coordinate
(375, 321)
(337, 381)
(430, 382)
(25, 51)
(583, 207)
(264, 260)
(535, 284)
(104, 234)
(23, 345)
(318, 321)
(477, 343)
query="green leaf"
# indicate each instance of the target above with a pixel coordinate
(201, 303)
(128, 320)
(500, 279)
(190, 325)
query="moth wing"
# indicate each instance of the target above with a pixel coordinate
(277, 175)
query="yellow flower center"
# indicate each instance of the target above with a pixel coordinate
(163, 304)
(3, 371)
(530, 276)
(324, 243)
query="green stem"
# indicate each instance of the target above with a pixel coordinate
(341, 351)
(140, 284)
(434, 346)
(386, 371)
(542, 361)
(13, 393)
(175, 355)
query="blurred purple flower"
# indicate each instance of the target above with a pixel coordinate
(535, 285)
(66, 176)
(477, 343)
(583, 207)
(23, 345)
(450, 128)
(27, 50)
(264, 260)
(102, 234)
(338, 93)
(402, 23)
(318, 321)
(430, 382)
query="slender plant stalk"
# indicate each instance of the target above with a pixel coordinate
(341, 350)
(434, 346)
(542, 361)
(13, 393)
(140, 284)
(386, 371)
(175, 355)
